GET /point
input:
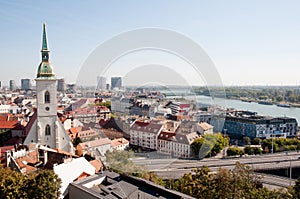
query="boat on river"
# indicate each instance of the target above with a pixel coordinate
(265, 102)
(284, 105)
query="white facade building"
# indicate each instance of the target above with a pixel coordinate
(175, 144)
(145, 134)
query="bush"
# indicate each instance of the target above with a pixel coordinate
(281, 144)
(256, 141)
(246, 140)
(252, 150)
(233, 151)
(267, 144)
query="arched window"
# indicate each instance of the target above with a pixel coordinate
(47, 130)
(47, 97)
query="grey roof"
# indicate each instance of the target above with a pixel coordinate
(124, 186)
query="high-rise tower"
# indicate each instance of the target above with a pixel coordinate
(47, 128)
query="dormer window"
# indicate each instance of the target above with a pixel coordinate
(47, 97)
(47, 130)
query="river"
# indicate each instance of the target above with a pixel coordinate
(270, 110)
(261, 109)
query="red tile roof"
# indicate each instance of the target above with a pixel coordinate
(97, 164)
(3, 149)
(8, 124)
(30, 157)
(146, 127)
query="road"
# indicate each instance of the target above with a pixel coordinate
(175, 168)
(281, 160)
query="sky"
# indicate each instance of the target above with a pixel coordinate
(250, 42)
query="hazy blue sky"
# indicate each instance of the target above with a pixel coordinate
(250, 42)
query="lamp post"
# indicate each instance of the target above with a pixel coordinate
(225, 142)
(290, 171)
(272, 141)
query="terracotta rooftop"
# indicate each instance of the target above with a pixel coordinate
(9, 124)
(97, 164)
(28, 161)
(146, 127)
(3, 149)
(119, 141)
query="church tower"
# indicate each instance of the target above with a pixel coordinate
(47, 129)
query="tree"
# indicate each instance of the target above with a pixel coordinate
(200, 184)
(256, 141)
(196, 145)
(246, 140)
(296, 189)
(252, 150)
(279, 98)
(233, 151)
(281, 144)
(241, 182)
(120, 161)
(267, 145)
(219, 144)
(107, 104)
(12, 184)
(43, 184)
(209, 145)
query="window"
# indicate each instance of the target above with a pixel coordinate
(47, 97)
(47, 130)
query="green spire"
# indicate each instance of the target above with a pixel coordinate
(45, 45)
(45, 70)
